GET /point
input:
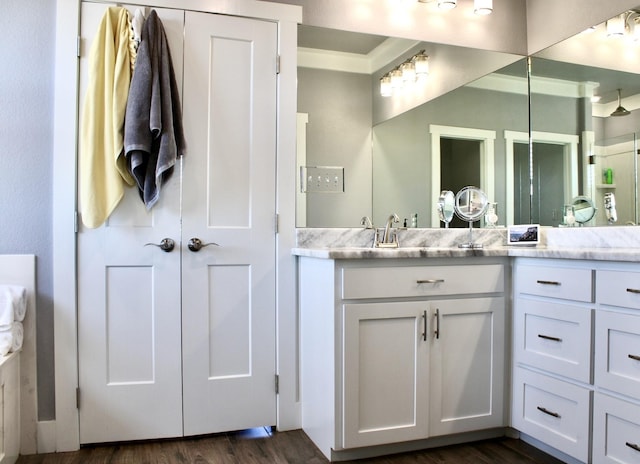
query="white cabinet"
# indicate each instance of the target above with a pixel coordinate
(616, 419)
(385, 365)
(553, 310)
(577, 357)
(389, 355)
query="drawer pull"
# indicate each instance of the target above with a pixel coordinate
(547, 337)
(546, 411)
(548, 282)
(633, 290)
(424, 320)
(633, 446)
(437, 332)
(635, 357)
(430, 281)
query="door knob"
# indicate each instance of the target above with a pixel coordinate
(195, 244)
(166, 244)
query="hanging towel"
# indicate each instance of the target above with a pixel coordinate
(11, 338)
(135, 35)
(13, 304)
(102, 163)
(153, 135)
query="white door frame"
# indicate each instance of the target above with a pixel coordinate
(487, 155)
(570, 161)
(67, 437)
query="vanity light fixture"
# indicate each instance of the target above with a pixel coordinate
(483, 7)
(447, 4)
(616, 26)
(406, 74)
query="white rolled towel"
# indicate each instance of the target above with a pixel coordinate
(13, 304)
(11, 338)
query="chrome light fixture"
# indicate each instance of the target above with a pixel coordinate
(616, 26)
(483, 7)
(405, 75)
(620, 110)
(447, 4)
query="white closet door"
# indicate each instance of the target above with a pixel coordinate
(228, 293)
(129, 300)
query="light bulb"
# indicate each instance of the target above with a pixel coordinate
(483, 7)
(385, 86)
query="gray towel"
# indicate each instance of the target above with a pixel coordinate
(153, 134)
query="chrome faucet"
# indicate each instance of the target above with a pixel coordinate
(366, 222)
(386, 238)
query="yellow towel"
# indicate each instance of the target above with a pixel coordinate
(103, 168)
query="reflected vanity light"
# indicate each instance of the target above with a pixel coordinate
(408, 73)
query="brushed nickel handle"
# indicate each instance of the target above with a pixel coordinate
(437, 331)
(424, 321)
(548, 282)
(166, 244)
(635, 357)
(430, 281)
(547, 337)
(633, 446)
(550, 413)
(633, 290)
(195, 244)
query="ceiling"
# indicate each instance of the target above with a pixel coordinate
(337, 41)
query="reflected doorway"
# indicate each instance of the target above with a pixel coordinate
(547, 200)
(459, 167)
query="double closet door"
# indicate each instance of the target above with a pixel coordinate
(182, 342)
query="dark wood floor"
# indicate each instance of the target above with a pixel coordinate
(264, 446)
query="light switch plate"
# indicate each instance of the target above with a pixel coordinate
(322, 179)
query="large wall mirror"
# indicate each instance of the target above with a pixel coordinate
(397, 153)
(578, 86)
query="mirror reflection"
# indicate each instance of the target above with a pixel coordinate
(585, 91)
(400, 152)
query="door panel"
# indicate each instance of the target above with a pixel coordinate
(128, 301)
(228, 292)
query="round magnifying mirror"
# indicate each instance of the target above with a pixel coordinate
(471, 203)
(446, 206)
(584, 209)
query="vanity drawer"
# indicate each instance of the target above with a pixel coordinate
(616, 431)
(412, 281)
(617, 358)
(552, 411)
(554, 337)
(618, 288)
(556, 282)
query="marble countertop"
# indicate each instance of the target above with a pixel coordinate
(605, 244)
(605, 254)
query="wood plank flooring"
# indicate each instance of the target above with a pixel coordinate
(258, 446)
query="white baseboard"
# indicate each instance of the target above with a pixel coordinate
(46, 437)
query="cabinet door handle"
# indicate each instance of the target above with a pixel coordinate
(635, 357)
(547, 337)
(437, 331)
(430, 281)
(424, 326)
(547, 282)
(633, 290)
(546, 411)
(633, 446)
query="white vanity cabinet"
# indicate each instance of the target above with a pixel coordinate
(399, 350)
(616, 421)
(576, 371)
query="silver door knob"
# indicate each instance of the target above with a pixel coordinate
(195, 244)
(166, 244)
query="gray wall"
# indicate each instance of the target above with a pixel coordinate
(338, 134)
(27, 40)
